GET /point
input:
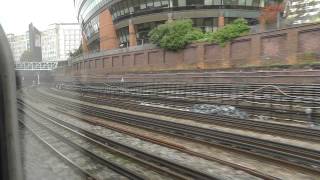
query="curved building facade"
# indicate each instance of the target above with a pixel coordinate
(109, 24)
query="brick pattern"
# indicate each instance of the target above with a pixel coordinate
(127, 61)
(190, 55)
(240, 49)
(278, 47)
(309, 41)
(132, 34)
(108, 35)
(155, 58)
(213, 53)
(274, 46)
(140, 59)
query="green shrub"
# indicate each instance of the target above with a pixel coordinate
(237, 28)
(177, 34)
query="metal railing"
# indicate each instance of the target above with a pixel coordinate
(36, 66)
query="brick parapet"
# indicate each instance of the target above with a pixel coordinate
(283, 47)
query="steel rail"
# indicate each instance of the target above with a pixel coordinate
(84, 173)
(114, 167)
(167, 144)
(289, 154)
(166, 166)
(289, 131)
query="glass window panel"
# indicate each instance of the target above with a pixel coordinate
(143, 4)
(126, 9)
(182, 3)
(242, 2)
(157, 3)
(121, 6)
(195, 2)
(131, 6)
(207, 2)
(256, 3)
(248, 2)
(164, 3)
(216, 2)
(149, 3)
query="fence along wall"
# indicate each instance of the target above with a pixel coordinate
(287, 46)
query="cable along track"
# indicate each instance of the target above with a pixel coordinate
(301, 157)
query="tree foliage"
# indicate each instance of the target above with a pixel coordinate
(76, 53)
(177, 34)
(26, 56)
(237, 28)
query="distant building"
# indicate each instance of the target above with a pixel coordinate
(110, 24)
(19, 44)
(59, 40)
(302, 11)
(35, 43)
(53, 44)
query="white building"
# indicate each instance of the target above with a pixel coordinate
(19, 44)
(59, 40)
(56, 42)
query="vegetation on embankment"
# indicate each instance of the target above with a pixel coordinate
(177, 34)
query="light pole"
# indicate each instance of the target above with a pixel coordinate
(38, 78)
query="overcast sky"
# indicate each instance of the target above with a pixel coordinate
(15, 15)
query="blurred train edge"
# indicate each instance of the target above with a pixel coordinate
(10, 156)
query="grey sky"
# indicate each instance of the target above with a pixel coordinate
(15, 15)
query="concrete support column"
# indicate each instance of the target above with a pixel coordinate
(292, 46)
(108, 35)
(220, 21)
(200, 56)
(132, 34)
(255, 58)
(85, 47)
(226, 55)
(262, 25)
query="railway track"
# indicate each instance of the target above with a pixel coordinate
(304, 158)
(264, 101)
(82, 172)
(305, 95)
(265, 127)
(169, 145)
(168, 168)
(95, 167)
(274, 113)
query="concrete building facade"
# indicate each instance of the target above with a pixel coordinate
(19, 44)
(59, 40)
(110, 24)
(54, 43)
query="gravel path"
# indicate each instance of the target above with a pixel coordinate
(40, 163)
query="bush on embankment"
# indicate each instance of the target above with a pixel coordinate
(177, 34)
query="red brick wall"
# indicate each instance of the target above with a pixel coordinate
(287, 46)
(309, 41)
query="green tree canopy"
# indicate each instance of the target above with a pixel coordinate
(177, 34)
(77, 52)
(237, 28)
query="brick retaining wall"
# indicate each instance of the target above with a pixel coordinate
(287, 46)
